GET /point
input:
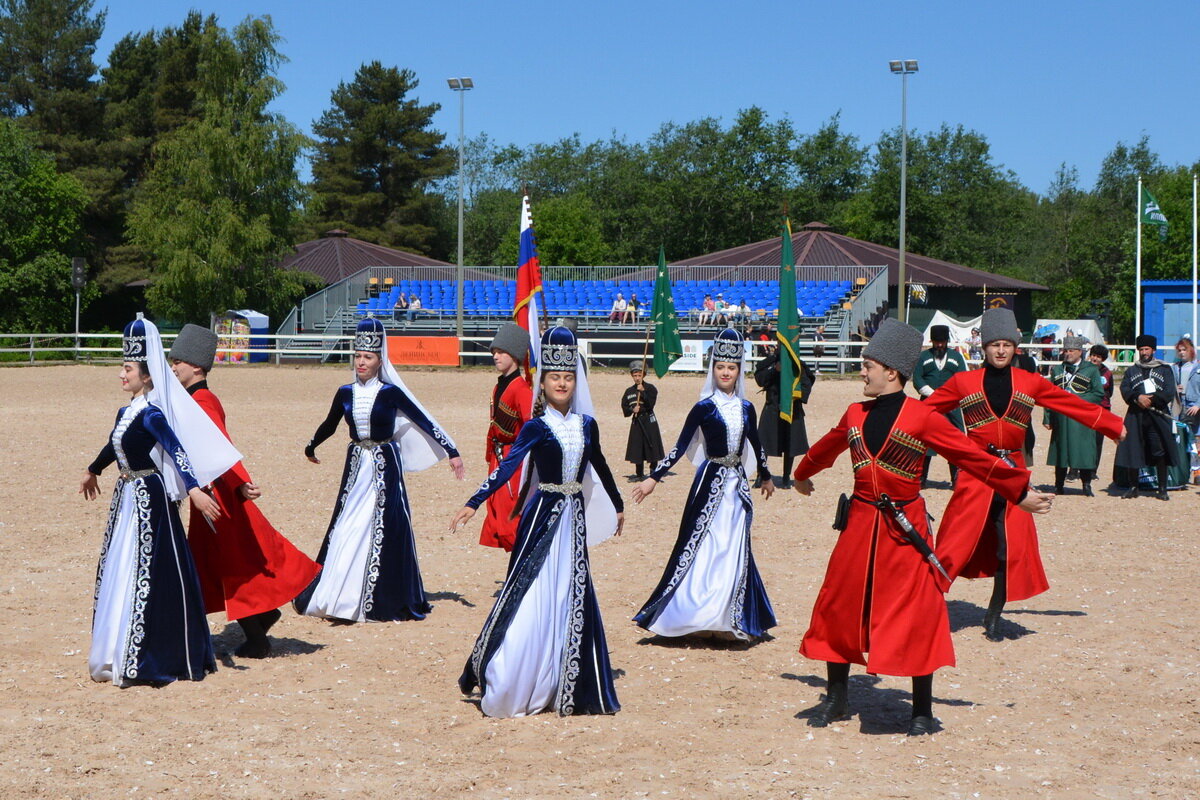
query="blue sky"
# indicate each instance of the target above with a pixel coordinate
(1046, 82)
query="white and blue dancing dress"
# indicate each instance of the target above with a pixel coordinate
(543, 644)
(148, 622)
(711, 583)
(369, 555)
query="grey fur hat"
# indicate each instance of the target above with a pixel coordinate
(1072, 343)
(512, 339)
(637, 366)
(196, 346)
(895, 345)
(997, 324)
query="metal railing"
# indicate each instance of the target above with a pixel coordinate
(324, 346)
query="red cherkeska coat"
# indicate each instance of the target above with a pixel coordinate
(966, 543)
(882, 603)
(246, 567)
(510, 411)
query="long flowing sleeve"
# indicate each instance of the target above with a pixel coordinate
(627, 402)
(952, 444)
(765, 374)
(108, 455)
(208, 402)
(156, 422)
(826, 451)
(326, 428)
(760, 455)
(685, 438)
(531, 434)
(649, 398)
(598, 462)
(404, 404)
(1090, 414)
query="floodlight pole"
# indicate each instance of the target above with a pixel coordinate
(462, 86)
(903, 69)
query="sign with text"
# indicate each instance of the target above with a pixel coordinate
(441, 351)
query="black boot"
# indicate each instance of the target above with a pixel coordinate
(831, 708)
(257, 645)
(1060, 477)
(833, 703)
(920, 726)
(1087, 489)
(922, 721)
(991, 625)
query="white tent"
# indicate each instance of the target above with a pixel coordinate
(1087, 328)
(960, 332)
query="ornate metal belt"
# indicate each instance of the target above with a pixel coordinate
(574, 487)
(133, 474)
(368, 444)
(731, 460)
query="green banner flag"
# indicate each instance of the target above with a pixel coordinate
(788, 329)
(667, 345)
(1151, 214)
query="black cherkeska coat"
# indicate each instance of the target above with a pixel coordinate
(770, 429)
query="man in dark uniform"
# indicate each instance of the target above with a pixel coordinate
(780, 438)
(934, 367)
(1149, 389)
(645, 440)
(1072, 445)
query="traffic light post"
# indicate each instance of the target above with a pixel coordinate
(78, 281)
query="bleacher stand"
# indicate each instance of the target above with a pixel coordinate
(592, 300)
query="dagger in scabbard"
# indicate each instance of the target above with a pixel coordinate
(911, 534)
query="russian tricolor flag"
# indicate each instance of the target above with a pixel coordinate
(529, 283)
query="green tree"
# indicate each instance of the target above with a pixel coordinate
(376, 157)
(220, 203)
(961, 206)
(40, 214)
(149, 88)
(832, 168)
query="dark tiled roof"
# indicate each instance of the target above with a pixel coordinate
(816, 245)
(336, 256)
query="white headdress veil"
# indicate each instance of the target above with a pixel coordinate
(210, 453)
(725, 341)
(600, 514)
(418, 450)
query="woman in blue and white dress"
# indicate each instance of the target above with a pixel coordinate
(369, 556)
(148, 622)
(543, 644)
(711, 583)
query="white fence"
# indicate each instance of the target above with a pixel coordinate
(842, 356)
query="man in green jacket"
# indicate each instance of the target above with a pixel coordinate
(934, 367)
(1073, 446)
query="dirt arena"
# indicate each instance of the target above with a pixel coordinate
(1094, 696)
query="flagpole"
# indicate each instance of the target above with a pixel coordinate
(1137, 297)
(1195, 286)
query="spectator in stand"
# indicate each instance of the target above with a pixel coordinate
(721, 316)
(414, 307)
(617, 312)
(818, 348)
(974, 346)
(1184, 366)
(401, 304)
(632, 309)
(708, 313)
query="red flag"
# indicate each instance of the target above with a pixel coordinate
(529, 285)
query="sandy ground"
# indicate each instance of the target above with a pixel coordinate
(1094, 696)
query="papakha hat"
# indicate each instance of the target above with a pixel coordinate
(895, 345)
(939, 333)
(512, 339)
(998, 324)
(1072, 343)
(196, 346)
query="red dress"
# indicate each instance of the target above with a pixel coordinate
(966, 543)
(246, 567)
(882, 603)
(512, 405)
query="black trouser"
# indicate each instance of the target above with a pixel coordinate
(996, 514)
(1060, 477)
(838, 677)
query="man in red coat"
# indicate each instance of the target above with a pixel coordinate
(983, 533)
(512, 404)
(882, 604)
(247, 568)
